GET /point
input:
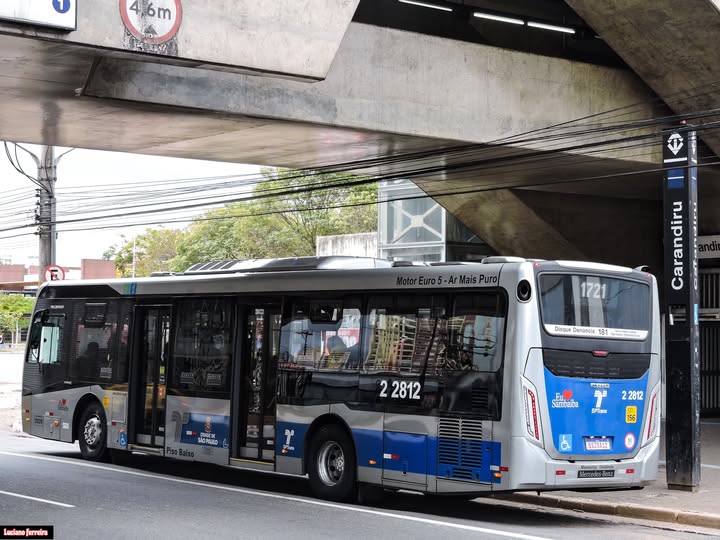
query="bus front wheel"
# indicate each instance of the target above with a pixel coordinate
(93, 433)
(332, 464)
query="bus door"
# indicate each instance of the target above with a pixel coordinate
(258, 379)
(148, 391)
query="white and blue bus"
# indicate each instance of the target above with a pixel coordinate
(451, 378)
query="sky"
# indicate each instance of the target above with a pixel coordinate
(90, 182)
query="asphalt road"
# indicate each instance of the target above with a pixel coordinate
(46, 483)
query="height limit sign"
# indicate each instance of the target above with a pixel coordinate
(151, 21)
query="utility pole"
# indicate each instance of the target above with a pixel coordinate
(45, 217)
(45, 212)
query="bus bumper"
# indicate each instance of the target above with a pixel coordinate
(539, 472)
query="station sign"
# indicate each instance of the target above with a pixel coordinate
(61, 14)
(709, 247)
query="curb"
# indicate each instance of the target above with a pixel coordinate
(697, 519)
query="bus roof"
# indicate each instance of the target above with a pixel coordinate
(319, 274)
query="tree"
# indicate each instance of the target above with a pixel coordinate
(282, 226)
(15, 312)
(311, 213)
(265, 226)
(151, 251)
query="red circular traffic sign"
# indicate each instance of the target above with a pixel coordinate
(54, 272)
(152, 22)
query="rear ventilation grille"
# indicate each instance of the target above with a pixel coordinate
(480, 399)
(460, 449)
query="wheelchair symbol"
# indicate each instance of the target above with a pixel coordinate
(565, 442)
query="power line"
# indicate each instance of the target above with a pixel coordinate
(548, 148)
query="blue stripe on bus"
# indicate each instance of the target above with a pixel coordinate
(290, 440)
(369, 447)
(408, 452)
(468, 460)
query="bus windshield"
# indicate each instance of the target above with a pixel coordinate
(581, 305)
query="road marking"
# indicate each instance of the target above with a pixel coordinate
(36, 499)
(312, 502)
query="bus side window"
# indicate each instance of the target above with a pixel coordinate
(476, 332)
(45, 338)
(405, 333)
(50, 343)
(323, 334)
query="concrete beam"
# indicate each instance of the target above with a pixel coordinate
(397, 82)
(671, 45)
(297, 38)
(388, 91)
(509, 225)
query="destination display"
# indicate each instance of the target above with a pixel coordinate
(597, 332)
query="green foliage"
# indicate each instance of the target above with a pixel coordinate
(12, 309)
(268, 226)
(280, 226)
(153, 250)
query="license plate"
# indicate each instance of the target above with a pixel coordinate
(598, 444)
(603, 473)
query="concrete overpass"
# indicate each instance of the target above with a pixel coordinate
(306, 82)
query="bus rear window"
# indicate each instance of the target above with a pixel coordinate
(591, 306)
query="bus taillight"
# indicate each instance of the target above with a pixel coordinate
(531, 414)
(653, 414)
(650, 420)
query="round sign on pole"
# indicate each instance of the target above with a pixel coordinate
(54, 272)
(152, 22)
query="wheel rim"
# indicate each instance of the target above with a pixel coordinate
(93, 431)
(330, 463)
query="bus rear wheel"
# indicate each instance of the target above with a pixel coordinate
(332, 464)
(93, 433)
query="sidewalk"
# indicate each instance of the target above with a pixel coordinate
(655, 502)
(10, 382)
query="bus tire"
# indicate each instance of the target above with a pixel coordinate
(92, 434)
(332, 466)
